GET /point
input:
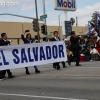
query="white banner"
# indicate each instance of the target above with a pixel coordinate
(19, 56)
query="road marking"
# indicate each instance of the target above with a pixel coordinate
(42, 97)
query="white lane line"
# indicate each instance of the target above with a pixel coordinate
(42, 97)
(84, 67)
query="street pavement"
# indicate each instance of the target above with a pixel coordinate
(71, 83)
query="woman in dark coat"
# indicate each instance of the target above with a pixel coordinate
(28, 40)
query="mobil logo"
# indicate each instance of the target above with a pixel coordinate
(66, 3)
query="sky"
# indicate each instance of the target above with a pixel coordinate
(84, 11)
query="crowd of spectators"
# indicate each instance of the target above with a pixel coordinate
(90, 46)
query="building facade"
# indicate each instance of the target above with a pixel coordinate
(14, 30)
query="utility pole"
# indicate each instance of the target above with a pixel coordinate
(44, 12)
(37, 21)
(59, 21)
(76, 21)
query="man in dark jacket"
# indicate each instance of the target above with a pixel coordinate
(56, 65)
(75, 48)
(5, 42)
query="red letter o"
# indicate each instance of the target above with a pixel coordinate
(65, 4)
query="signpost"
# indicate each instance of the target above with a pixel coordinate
(43, 17)
(65, 5)
(49, 35)
(66, 28)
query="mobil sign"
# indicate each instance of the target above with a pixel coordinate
(65, 5)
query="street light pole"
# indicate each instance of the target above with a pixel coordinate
(19, 16)
(59, 21)
(37, 21)
(44, 11)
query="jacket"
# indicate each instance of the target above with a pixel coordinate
(75, 43)
(26, 41)
(54, 39)
(4, 43)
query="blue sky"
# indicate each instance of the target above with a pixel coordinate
(85, 8)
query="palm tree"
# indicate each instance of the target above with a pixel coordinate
(72, 20)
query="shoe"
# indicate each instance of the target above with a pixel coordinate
(65, 67)
(27, 73)
(37, 71)
(5, 77)
(11, 76)
(69, 63)
(2, 79)
(78, 65)
(54, 67)
(58, 68)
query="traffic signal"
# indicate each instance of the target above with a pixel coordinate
(35, 25)
(44, 29)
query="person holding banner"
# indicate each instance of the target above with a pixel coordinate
(5, 42)
(28, 40)
(56, 65)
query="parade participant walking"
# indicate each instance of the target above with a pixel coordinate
(75, 48)
(5, 42)
(56, 65)
(28, 40)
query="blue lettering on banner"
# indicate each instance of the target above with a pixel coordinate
(29, 56)
(23, 56)
(61, 52)
(54, 52)
(0, 62)
(42, 54)
(35, 53)
(4, 59)
(48, 52)
(15, 52)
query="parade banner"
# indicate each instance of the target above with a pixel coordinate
(28, 55)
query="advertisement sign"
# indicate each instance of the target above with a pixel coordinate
(66, 28)
(19, 56)
(65, 5)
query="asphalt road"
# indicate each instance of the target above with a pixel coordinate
(72, 83)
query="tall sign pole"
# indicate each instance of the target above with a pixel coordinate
(66, 15)
(37, 21)
(65, 5)
(44, 12)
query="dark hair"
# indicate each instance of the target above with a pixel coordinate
(73, 32)
(27, 31)
(3, 34)
(55, 32)
(28, 35)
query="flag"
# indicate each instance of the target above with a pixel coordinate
(89, 28)
(99, 20)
